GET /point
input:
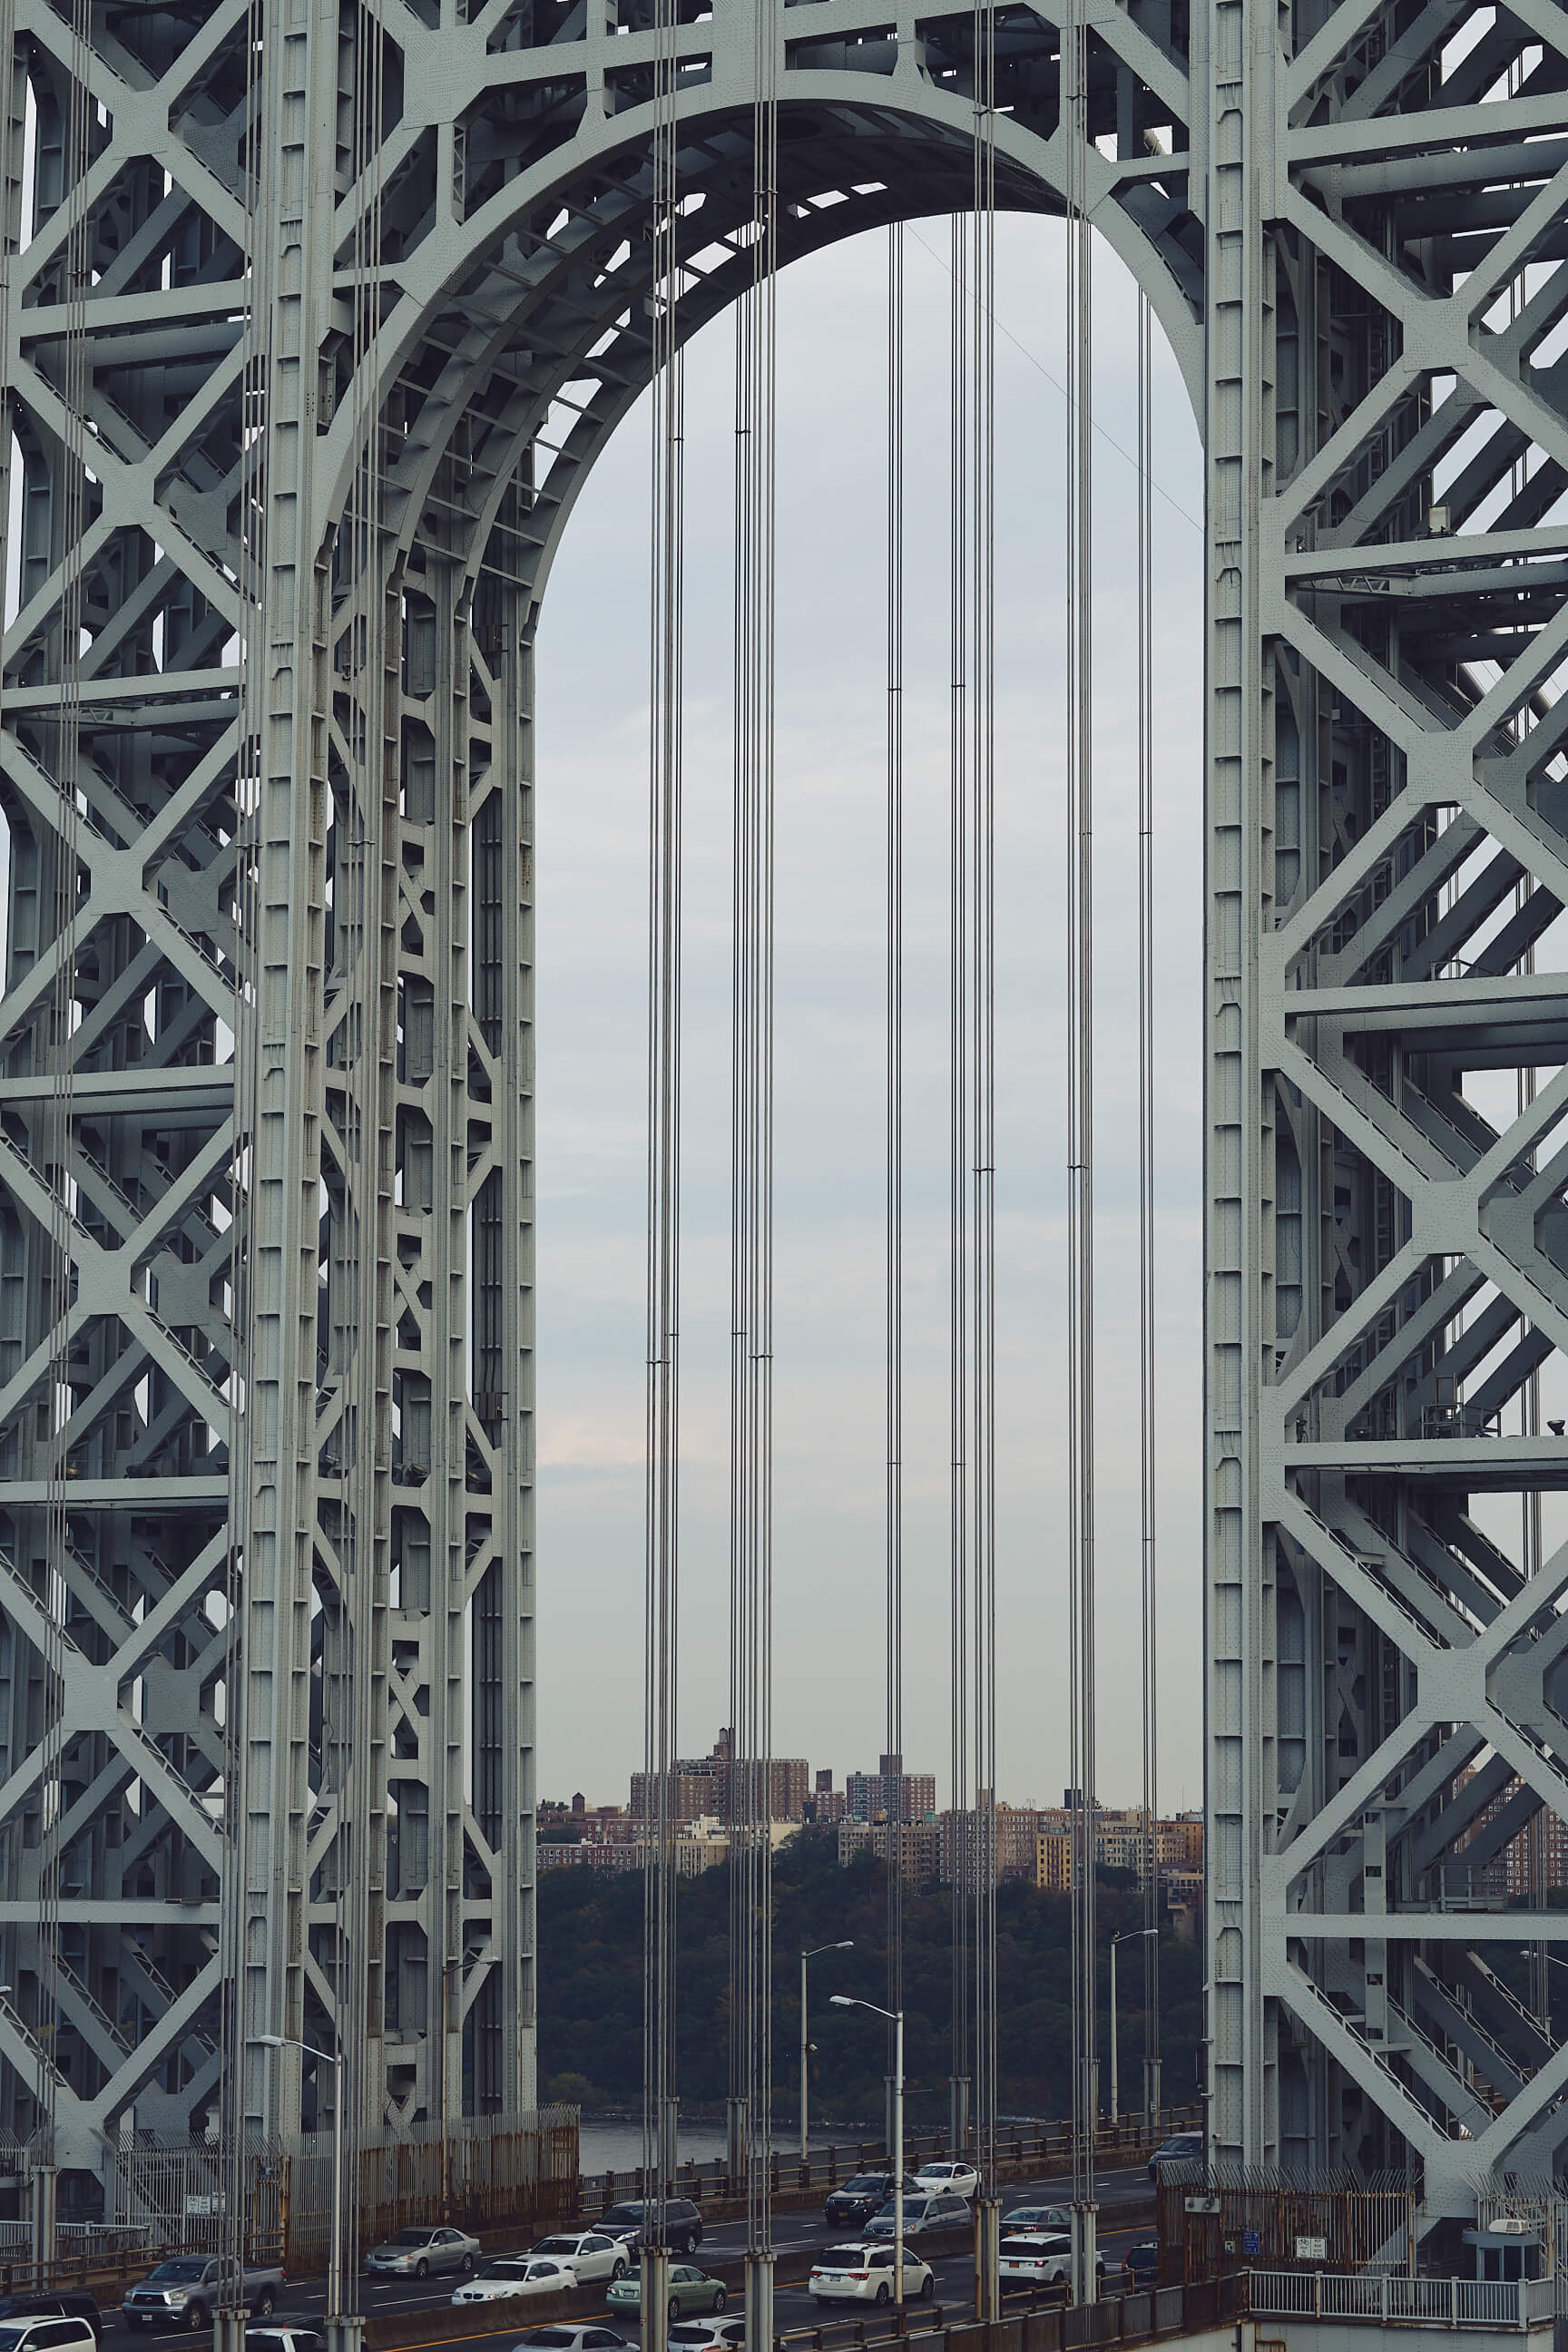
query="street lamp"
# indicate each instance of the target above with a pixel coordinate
(334, 2243)
(843, 2000)
(805, 2046)
(1133, 1936)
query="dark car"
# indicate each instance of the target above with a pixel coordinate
(1182, 2148)
(857, 2199)
(52, 2302)
(1141, 2265)
(682, 2224)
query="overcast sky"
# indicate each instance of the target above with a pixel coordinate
(592, 834)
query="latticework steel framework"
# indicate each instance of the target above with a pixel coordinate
(315, 313)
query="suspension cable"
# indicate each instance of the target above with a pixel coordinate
(1149, 1587)
(895, 1111)
(756, 342)
(958, 1174)
(1081, 1126)
(665, 661)
(983, 1082)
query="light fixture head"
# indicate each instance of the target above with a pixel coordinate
(841, 2000)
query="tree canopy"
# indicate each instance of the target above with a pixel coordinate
(591, 1990)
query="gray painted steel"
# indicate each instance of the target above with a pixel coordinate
(1351, 222)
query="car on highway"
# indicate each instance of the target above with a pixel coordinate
(185, 2292)
(682, 2224)
(1182, 2148)
(854, 2202)
(921, 2212)
(593, 2253)
(572, 2335)
(1041, 2258)
(865, 2274)
(53, 2303)
(1141, 2265)
(689, 2290)
(284, 2339)
(422, 2251)
(1035, 2217)
(708, 2335)
(42, 2332)
(952, 2173)
(518, 2274)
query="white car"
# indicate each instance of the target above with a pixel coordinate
(708, 2335)
(865, 2274)
(591, 2253)
(1039, 2258)
(959, 2178)
(511, 2274)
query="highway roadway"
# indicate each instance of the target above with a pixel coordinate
(797, 2239)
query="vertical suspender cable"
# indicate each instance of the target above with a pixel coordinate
(982, 1122)
(895, 1201)
(663, 1424)
(751, 1207)
(1149, 1586)
(1080, 1128)
(963, 1858)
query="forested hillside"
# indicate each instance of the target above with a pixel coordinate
(591, 1990)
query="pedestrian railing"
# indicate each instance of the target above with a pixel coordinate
(1392, 2302)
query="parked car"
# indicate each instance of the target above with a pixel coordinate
(689, 2290)
(572, 2335)
(708, 2336)
(1141, 2265)
(53, 2303)
(187, 2290)
(422, 2251)
(959, 2178)
(846, 2207)
(1182, 2148)
(682, 2224)
(44, 2331)
(1036, 2217)
(865, 2274)
(511, 2274)
(593, 2253)
(921, 2213)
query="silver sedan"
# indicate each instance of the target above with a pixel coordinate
(423, 2252)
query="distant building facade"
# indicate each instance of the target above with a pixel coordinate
(711, 1787)
(889, 1793)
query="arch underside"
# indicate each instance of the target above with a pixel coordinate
(1386, 831)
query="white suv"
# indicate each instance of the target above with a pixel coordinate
(865, 2274)
(1039, 2258)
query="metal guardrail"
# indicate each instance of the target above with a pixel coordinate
(1512, 2305)
(1045, 2148)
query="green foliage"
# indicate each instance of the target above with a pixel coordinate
(590, 1990)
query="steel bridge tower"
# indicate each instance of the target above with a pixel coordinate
(314, 315)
